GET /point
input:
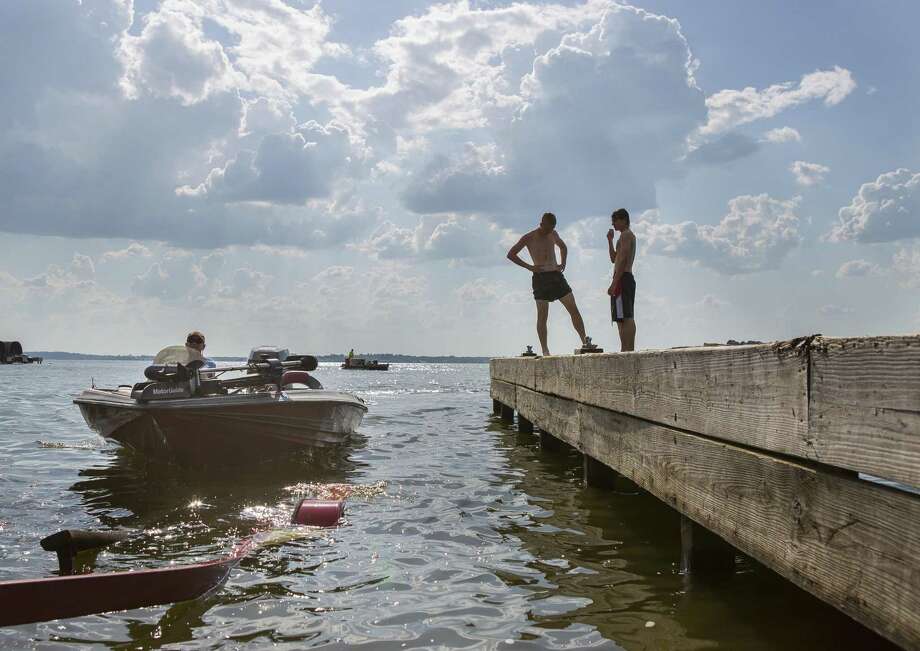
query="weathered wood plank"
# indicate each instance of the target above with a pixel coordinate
(516, 370)
(854, 544)
(555, 415)
(755, 395)
(865, 405)
(556, 375)
(504, 392)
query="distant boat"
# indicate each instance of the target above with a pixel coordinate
(361, 364)
(11, 353)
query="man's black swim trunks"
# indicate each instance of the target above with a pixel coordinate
(622, 307)
(550, 286)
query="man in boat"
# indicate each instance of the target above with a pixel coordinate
(548, 282)
(622, 288)
(351, 354)
(195, 342)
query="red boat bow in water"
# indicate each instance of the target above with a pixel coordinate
(36, 600)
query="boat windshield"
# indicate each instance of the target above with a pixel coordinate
(177, 355)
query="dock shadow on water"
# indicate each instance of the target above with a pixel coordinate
(619, 550)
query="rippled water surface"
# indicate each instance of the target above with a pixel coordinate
(463, 534)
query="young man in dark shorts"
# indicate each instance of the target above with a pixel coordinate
(623, 286)
(548, 282)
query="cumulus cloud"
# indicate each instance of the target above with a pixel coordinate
(245, 280)
(808, 174)
(858, 268)
(207, 123)
(441, 237)
(275, 44)
(78, 274)
(782, 134)
(172, 57)
(472, 181)
(141, 111)
(68, 293)
(133, 250)
(635, 61)
(363, 298)
(454, 67)
(181, 276)
(286, 169)
(265, 115)
(756, 234)
(731, 108)
(885, 210)
(478, 290)
(723, 149)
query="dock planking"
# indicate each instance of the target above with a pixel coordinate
(758, 444)
(848, 403)
(865, 405)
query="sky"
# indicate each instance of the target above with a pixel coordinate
(336, 175)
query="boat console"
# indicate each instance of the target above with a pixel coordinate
(267, 366)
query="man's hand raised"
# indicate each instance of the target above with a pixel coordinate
(611, 234)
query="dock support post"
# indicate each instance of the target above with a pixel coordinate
(703, 552)
(524, 425)
(507, 414)
(597, 474)
(549, 443)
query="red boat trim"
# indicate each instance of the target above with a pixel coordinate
(37, 600)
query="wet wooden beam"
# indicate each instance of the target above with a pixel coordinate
(853, 543)
(852, 403)
(865, 405)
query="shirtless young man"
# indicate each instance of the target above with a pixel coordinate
(548, 282)
(623, 286)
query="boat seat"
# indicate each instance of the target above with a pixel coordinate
(300, 377)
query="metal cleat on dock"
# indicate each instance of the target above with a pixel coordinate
(589, 347)
(529, 352)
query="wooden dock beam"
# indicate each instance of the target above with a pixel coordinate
(762, 446)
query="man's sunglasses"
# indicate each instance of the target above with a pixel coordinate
(194, 340)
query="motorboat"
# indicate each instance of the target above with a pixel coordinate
(190, 413)
(361, 364)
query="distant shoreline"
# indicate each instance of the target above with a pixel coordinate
(380, 357)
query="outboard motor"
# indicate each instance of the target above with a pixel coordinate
(266, 353)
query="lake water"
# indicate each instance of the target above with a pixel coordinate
(463, 534)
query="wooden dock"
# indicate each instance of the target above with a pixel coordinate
(762, 445)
